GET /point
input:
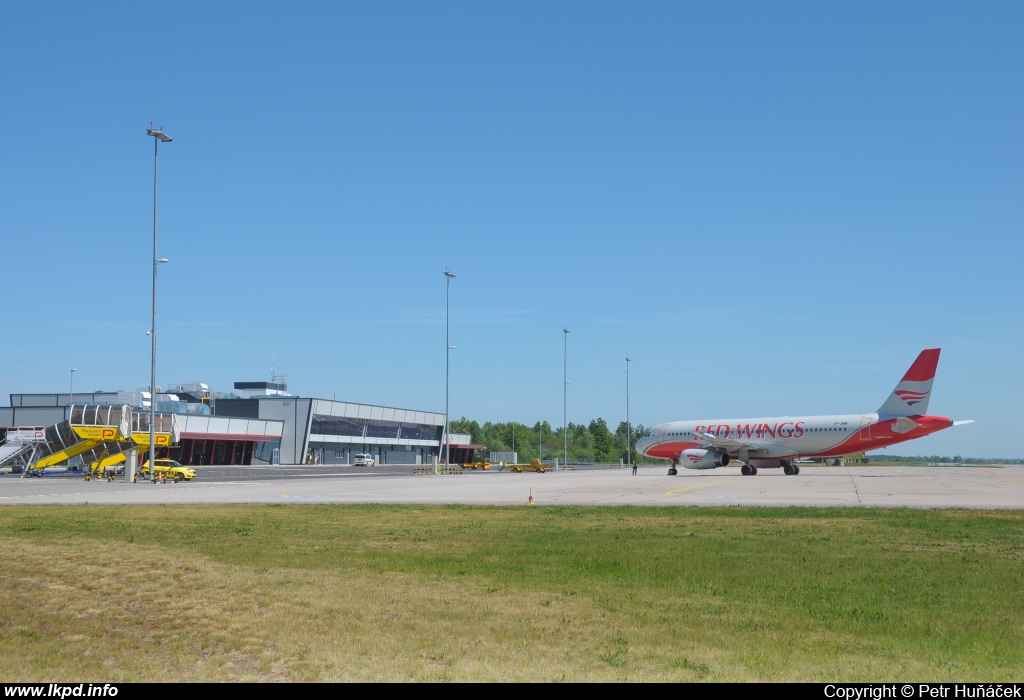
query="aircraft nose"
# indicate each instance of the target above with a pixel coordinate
(642, 444)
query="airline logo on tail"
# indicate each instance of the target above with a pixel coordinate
(911, 397)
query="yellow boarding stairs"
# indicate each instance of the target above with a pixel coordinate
(90, 431)
(166, 433)
(96, 433)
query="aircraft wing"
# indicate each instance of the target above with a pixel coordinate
(734, 447)
(714, 442)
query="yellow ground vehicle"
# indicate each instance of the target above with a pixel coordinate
(106, 465)
(169, 469)
(535, 465)
(476, 465)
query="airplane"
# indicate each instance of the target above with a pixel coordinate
(772, 443)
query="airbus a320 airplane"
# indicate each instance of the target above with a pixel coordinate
(765, 443)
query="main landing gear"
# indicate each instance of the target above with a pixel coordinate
(788, 467)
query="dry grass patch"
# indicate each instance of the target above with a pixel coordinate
(455, 593)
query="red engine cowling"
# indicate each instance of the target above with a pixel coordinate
(703, 459)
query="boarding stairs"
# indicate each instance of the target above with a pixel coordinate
(101, 435)
(18, 447)
(89, 431)
(165, 433)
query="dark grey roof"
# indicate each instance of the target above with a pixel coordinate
(261, 385)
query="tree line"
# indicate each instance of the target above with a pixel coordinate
(940, 459)
(594, 441)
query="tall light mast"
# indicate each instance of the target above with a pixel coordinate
(158, 136)
(565, 393)
(449, 276)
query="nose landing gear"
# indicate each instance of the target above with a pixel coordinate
(672, 470)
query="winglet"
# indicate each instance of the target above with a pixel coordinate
(910, 397)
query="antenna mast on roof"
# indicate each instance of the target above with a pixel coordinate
(274, 376)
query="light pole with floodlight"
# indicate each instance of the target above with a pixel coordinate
(158, 136)
(629, 430)
(73, 370)
(565, 393)
(449, 275)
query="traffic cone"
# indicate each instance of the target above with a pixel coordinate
(531, 495)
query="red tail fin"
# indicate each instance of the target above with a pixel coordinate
(910, 397)
(924, 366)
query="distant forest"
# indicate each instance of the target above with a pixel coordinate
(594, 441)
(936, 459)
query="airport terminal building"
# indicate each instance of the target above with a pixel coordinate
(332, 432)
(264, 426)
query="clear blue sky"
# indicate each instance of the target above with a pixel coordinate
(771, 207)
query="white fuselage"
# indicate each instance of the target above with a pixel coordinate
(786, 437)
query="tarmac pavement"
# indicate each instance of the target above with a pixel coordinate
(856, 486)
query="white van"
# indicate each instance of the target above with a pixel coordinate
(363, 460)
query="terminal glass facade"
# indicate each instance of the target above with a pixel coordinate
(372, 428)
(336, 425)
(415, 431)
(382, 429)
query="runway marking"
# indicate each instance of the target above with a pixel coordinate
(1013, 483)
(691, 488)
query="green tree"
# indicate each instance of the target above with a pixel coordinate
(604, 441)
(636, 432)
(493, 435)
(464, 425)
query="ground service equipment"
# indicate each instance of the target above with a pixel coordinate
(100, 435)
(166, 433)
(476, 465)
(535, 465)
(93, 432)
(168, 469)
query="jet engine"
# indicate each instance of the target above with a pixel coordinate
(703, 459)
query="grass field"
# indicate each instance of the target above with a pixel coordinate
(378, 592)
